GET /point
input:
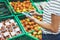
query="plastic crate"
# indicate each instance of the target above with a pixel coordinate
(24, 37)
(21, 18)
(15, 19)
(8, 1)
(4, 9)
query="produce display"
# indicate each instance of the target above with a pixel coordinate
(8, 29)
(3, 9)
(32, 27)
(24, 6)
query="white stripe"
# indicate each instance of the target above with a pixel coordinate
(56, 4)
(54, 8)
(45, 11)
(45, 20)
(54, 1)
(46, 15)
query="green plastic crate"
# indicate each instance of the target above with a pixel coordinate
(24, 37)
(4, 9)
(21, 18)
(12, 17)
(8, 1)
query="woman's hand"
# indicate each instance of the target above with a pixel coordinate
(33, 12)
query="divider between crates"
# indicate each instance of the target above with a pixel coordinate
(24, 37)
(15, 29)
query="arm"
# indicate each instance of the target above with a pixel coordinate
(53, 26)
(55, 22)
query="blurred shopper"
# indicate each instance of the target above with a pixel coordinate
(51, 20)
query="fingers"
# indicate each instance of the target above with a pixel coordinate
(32, 11)
(35, 13)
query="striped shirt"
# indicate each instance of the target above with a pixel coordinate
(51, 7)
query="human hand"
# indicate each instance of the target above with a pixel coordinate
(33, 12)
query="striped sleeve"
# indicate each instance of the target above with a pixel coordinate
(52, 7)
(47, 14)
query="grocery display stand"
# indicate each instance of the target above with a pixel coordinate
(11, 14)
